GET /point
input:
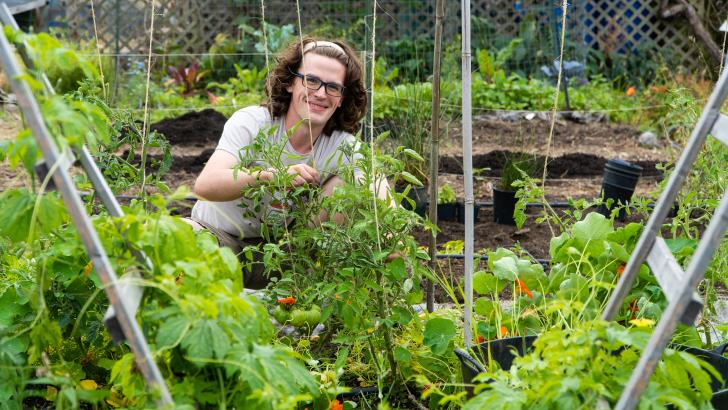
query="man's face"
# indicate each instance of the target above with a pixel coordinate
(316, 105)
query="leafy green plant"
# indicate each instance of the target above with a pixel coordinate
(344, 268)
(491, 66)
(246, 81)
(59, 61)
(565, 358)
(446, 195)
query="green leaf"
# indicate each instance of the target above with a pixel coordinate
(205, 340)
(594, 227)
(556, 243)
(505, 268)
(489, 309)
(402, 355)
(397, 269)
(484, 283)
(413, 154)
(414, 297)
(401, 315)
(438, 334)
(410, 178)
(171, 330)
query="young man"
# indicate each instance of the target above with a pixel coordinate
(317, 85)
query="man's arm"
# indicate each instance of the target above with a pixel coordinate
(218, 182)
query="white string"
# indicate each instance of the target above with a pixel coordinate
(202, 107)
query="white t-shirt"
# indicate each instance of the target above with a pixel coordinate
(239, 132)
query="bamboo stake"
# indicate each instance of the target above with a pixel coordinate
(434, 146)
(467, 168)
(143, 165)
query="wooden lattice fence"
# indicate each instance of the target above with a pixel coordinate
(188, 26)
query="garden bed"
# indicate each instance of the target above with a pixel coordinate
(581, 149)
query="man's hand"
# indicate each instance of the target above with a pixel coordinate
(304, 174)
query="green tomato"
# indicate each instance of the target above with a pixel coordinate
(306, 318)
(313, 316)
(298, 317)
(280, 314)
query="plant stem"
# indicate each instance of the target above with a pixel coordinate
(381, 304)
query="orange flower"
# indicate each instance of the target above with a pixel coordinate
(522, 288)
(631, 91)
(503, 331)
(620, 270)
(87, 268)
(336, 405)
(287, 301)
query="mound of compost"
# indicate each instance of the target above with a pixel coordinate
(193, 129)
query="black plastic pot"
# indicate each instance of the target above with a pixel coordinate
(619, 182)
(504, 203)
(460, 212)
(503, 351)
(420, 196)
(447, 212)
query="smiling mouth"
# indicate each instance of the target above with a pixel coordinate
(316, 107)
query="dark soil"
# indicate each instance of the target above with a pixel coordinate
(199, 129)
(564, 166)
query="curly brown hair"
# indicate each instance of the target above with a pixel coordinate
(347, 116)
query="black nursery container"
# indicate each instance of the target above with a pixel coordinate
(420, 198)
(447, 212)
(460, 212)
(504, 203)
(620, 180)
(504, 351)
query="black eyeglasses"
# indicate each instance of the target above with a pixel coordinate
(314, 84)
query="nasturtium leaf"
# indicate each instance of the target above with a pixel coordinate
(438, 334)
(594, 227)
(556, 243)
(681, 246)
(487, 331)
(485, 283)
(487, 308)
(534, 277)
(506, 269)
(499, 254)
(414, 297)
(574, 288)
